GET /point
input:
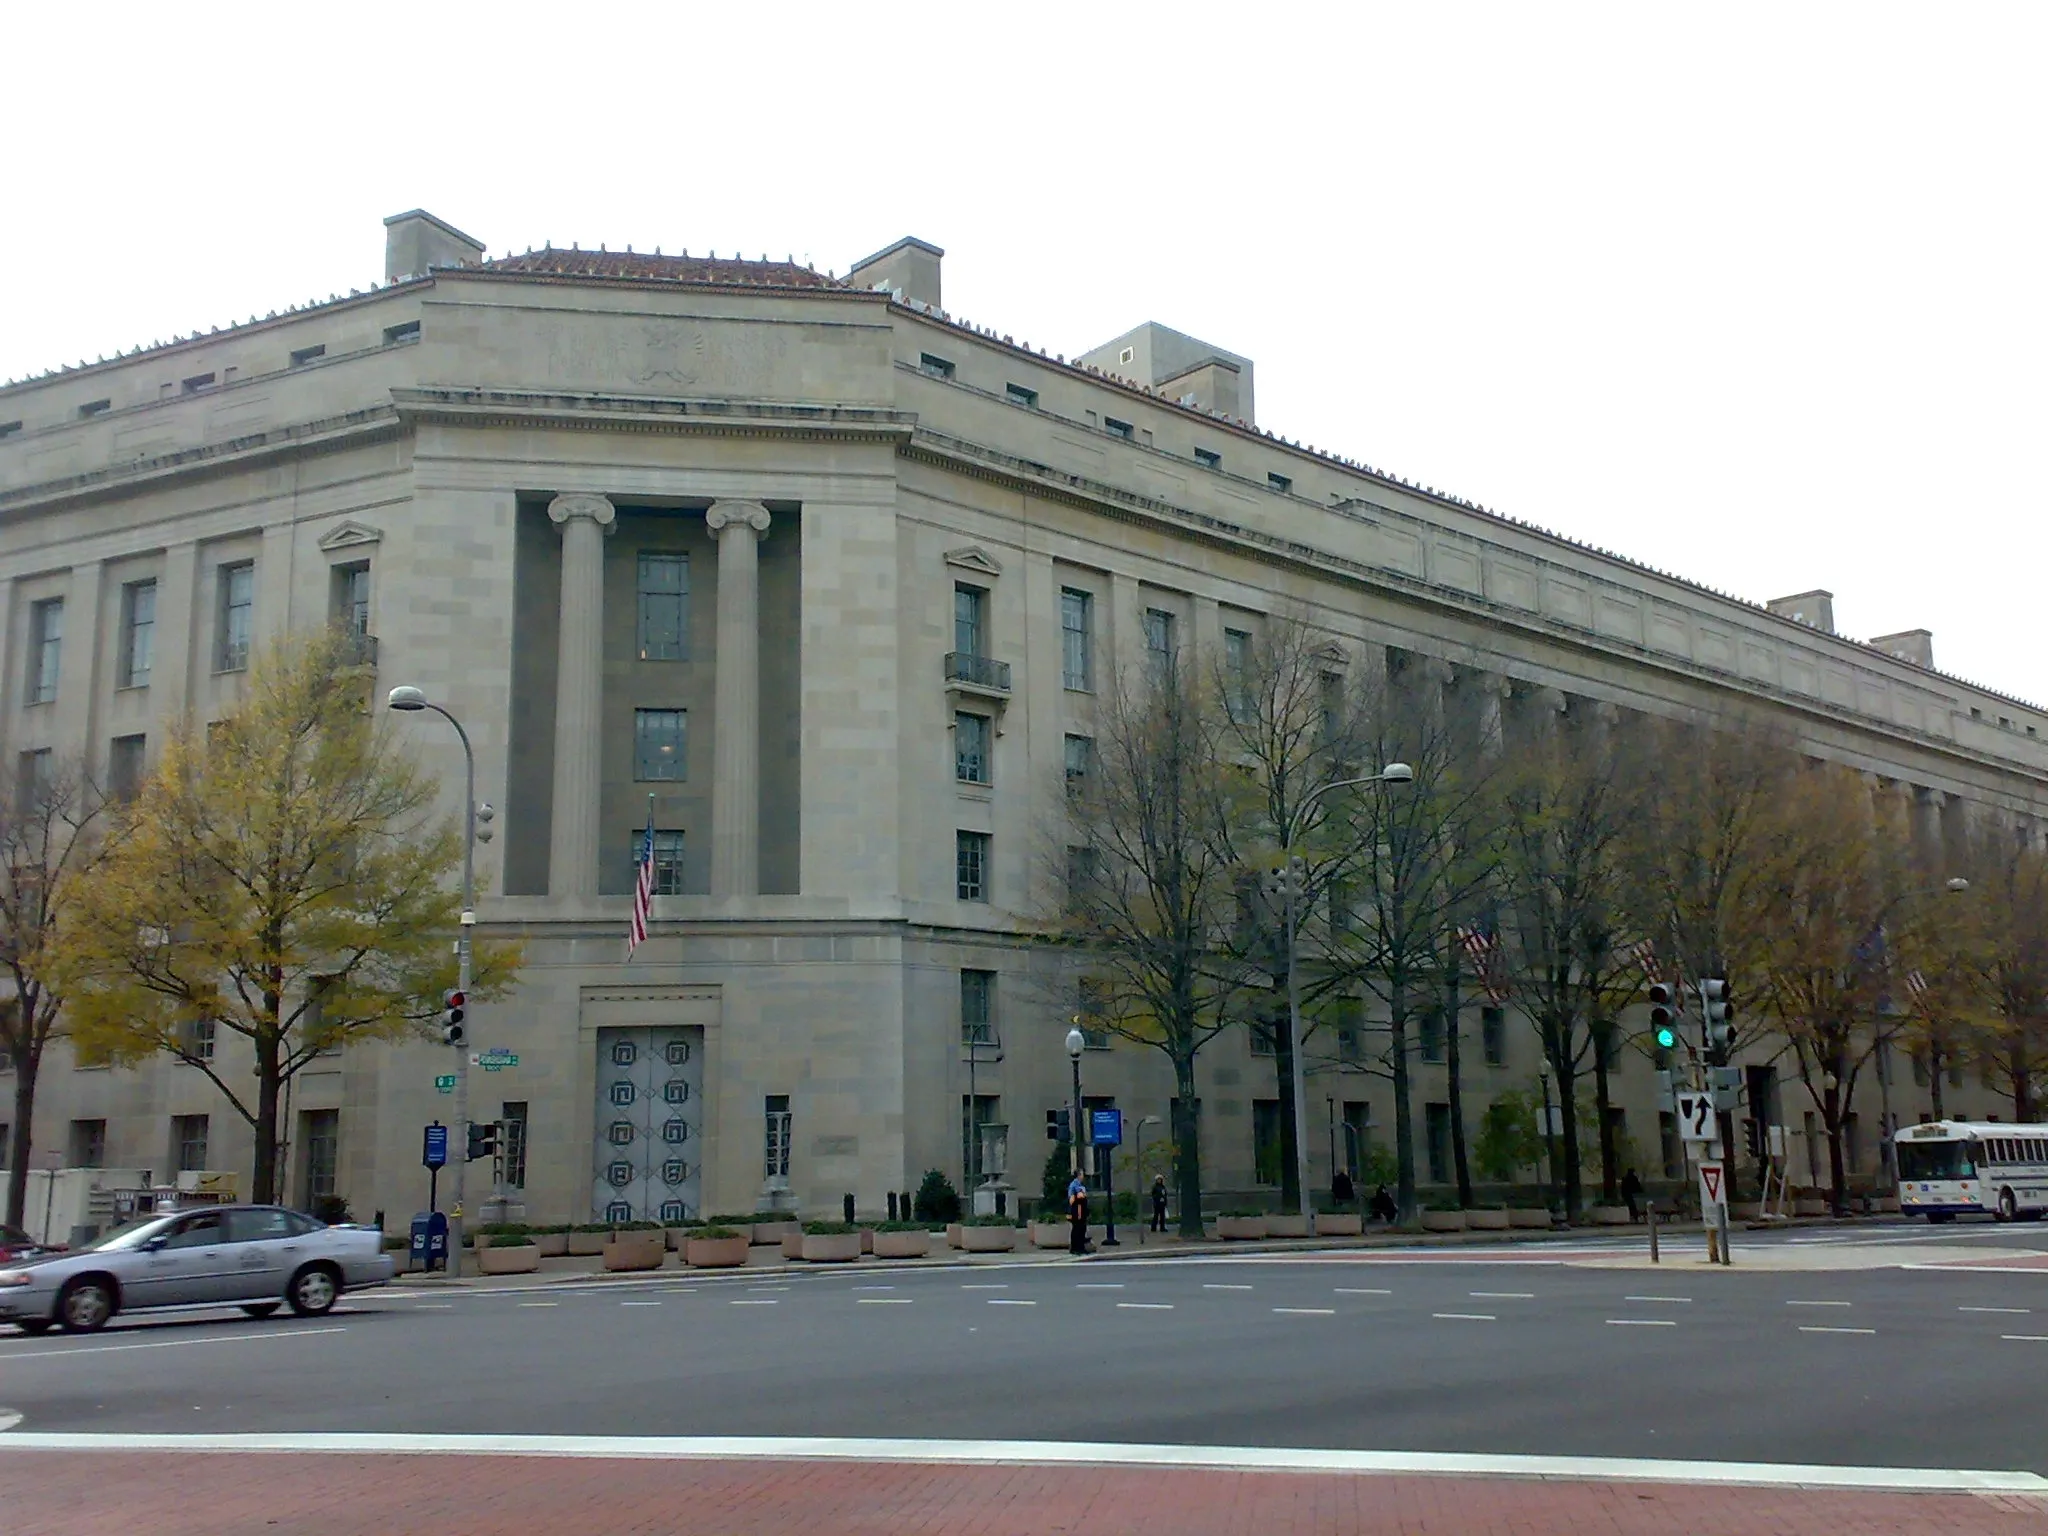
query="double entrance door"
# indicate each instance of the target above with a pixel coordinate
(646, 1161)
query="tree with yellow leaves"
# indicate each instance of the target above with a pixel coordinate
(282, 877)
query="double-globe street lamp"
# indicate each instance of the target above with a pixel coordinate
(1393, 773)
(409, 700)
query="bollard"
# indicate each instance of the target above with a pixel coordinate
(1653, 1233)
(892, 1205)
(847, 1205)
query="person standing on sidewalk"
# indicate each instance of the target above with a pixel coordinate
(1158, 1202)
(1077, 1214)
(1632, 1192)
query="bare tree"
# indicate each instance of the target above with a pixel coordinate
(2007, 950)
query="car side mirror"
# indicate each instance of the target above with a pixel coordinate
(156, 1245)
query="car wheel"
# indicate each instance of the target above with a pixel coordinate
(33, 1324)
(85, 1305)
(2008, 1206)
(260, 1308)
(314, 1291)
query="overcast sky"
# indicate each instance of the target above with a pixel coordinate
(1750, 293)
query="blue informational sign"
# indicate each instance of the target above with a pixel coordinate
(434, 1150)
(1106, 1127)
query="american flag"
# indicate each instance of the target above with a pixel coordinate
(1644, 954)
(1916, 984)
(1484, 950)
(643, 886)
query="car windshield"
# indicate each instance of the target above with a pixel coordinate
(131, 1236)
(1937, 1160)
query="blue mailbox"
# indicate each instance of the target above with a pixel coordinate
(429, 1245)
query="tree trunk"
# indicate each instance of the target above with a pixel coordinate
(1404, 1132)
(1831, 1111)
(19, 1142)
(2022, 1084)
(1455, 1087)
(1187, 1147)
(1934, 1063)
(1610, 1193)
(263, 1182)
(1568, 1112)
(1283, 1081)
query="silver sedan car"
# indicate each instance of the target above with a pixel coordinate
(256, 1257)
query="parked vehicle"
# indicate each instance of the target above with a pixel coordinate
(17, 1247)
(256, 1257)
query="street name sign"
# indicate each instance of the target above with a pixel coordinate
(1696, 1120)
(445, 1083)
(494, 1059)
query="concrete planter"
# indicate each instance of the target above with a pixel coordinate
(867, 1239)
(521, 1260)
(1538, 1221)
(1049, 1234)
(793, 1244)
(1443, 1221)
(1484, 1220)
(953, 1238)
(902, 1245)
(1339, 1224)
(831, 1247)
(1746, 1210)
(1295, 1225)
(763, 1233)
(673, 1238)
(715, 1252)
(629, 1255)
(1235, 1229)
(1804, 1206)
(1608, 1215)
(988, 1239)
(551, 1245)
(587, 1244)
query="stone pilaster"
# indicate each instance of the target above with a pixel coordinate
(736, 700)
(579, 694)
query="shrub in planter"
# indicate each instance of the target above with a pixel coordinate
(1050, 1234)
(936, 1199)
(902, 1240)
(988, 1234)
(634, 1253)
(831, 1242)
(715, 1248)
(1608, 1215)
(508, 1256)
(1238, 1226)
(588, 1239)
(953, 1239)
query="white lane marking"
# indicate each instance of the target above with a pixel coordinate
(1146, 1306)
(1362, 1290)
(1307, 1311)
(1099, 1285)
(874, 1287)
(2005, 1311)
(227, 1338)
(540, 1303)
(1502, 1295)
(1000, 1285)
(1811, 1328)
(754, 1301)
(435, 1306)
(1641, 1322)
(639, 1303)
(1466, 1317)
(2025, 1338)
(1210, 1286)
(1674, 1300)
(1009, 1301)
(1820, 1303)
(883, 1301)
(1062, 1453)
(768, 1287)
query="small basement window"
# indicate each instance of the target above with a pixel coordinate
(93, 408)
(198, 382)
(304, 355)
(409, 331)
(1208, 458)
(1281, 483)
(1017, 394)
(1121, 429)
(936, 366)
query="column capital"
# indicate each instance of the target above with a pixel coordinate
(572, 504)
(729, 514)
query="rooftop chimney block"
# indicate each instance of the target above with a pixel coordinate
(1180, 367)
(910, 268)
(1914, 645)
(417, 241)
(1812, 608)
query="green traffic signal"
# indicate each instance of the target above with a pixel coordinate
(1667, 1037)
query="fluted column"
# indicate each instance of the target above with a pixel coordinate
(579, 694)
(736, 700)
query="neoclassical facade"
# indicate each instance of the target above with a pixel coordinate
(826, 582)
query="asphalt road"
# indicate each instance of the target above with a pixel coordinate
(1437, 1353)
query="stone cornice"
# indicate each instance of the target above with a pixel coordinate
(641, 413)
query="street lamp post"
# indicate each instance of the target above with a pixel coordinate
(1393, 773)
(1076, 1043)
(1138, 1128)
(410, 700)
(1549, 1146)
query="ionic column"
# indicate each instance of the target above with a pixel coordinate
(736, 700)
(579, 694)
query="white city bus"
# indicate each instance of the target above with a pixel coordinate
(1951, 1168)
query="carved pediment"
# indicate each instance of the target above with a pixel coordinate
(974, 558)
(350, 535)
(1333, 655)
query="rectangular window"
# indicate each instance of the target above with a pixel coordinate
(664, 589)
(658, 744)
(45, 649)
(200, 1036)
(1281, 483)
(1080, 762)
(1208, 458)
(935, 365)
(32, 773)
(352, 598)
(188, 1142)
(970, 619)
(93, 408)
(138, 632)
(1264, 1041)
(1266, 1149)
(320, 1153)
(775, 1114)
(9, 428)
(87, 1146)
(1493, 1035)
(512, 1113)
(1237, 674)
(1077, 647)
(124, 765)
(1429, 1035)
(1017, 394)
(1091, 1006)
(1117, 428)
(971, 764)
(304, 355)
(668, 859)
(198, 382)
(977, 1007)
(1436, 1121)
(1159, 647)
(970, 866)
(237, 607)
(407, 331)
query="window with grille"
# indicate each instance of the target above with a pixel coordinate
(1080, 762)
(664, 594)
(237, 612)
(1266, 1146)
(352, 599)
(1429, 1035)
(1159, 641)
(188, 1141)
(668, 860)
(978, 1007)
(87, 1144)
(1077, 661)
(971, 748)
(320, 1141)
(777, 1123)
(200, 1036)
(124, 765)
(138, 633)
(970, 861)
(658, 742)
(33, 772)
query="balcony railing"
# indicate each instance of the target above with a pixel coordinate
(977, 672)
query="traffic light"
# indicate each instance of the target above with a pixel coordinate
(1717, 1012)
(1753, 1134)
(1663, 1016)
(483, 1140)
(1057, 1127)
(453, 1003)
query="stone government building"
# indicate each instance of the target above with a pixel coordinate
(833, 576)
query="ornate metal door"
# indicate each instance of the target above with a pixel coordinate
(645, 1163)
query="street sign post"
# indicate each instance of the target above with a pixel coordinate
(1106, 1129)
(434, 1157)
(1713, 1188)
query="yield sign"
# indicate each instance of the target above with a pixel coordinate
(1713, 1186)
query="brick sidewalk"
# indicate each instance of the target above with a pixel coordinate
(64, 1493)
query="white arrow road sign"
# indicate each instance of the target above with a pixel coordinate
(1696, 1121)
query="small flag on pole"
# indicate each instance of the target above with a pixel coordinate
(643, 885)
(1484, 950)
(1916, 984)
